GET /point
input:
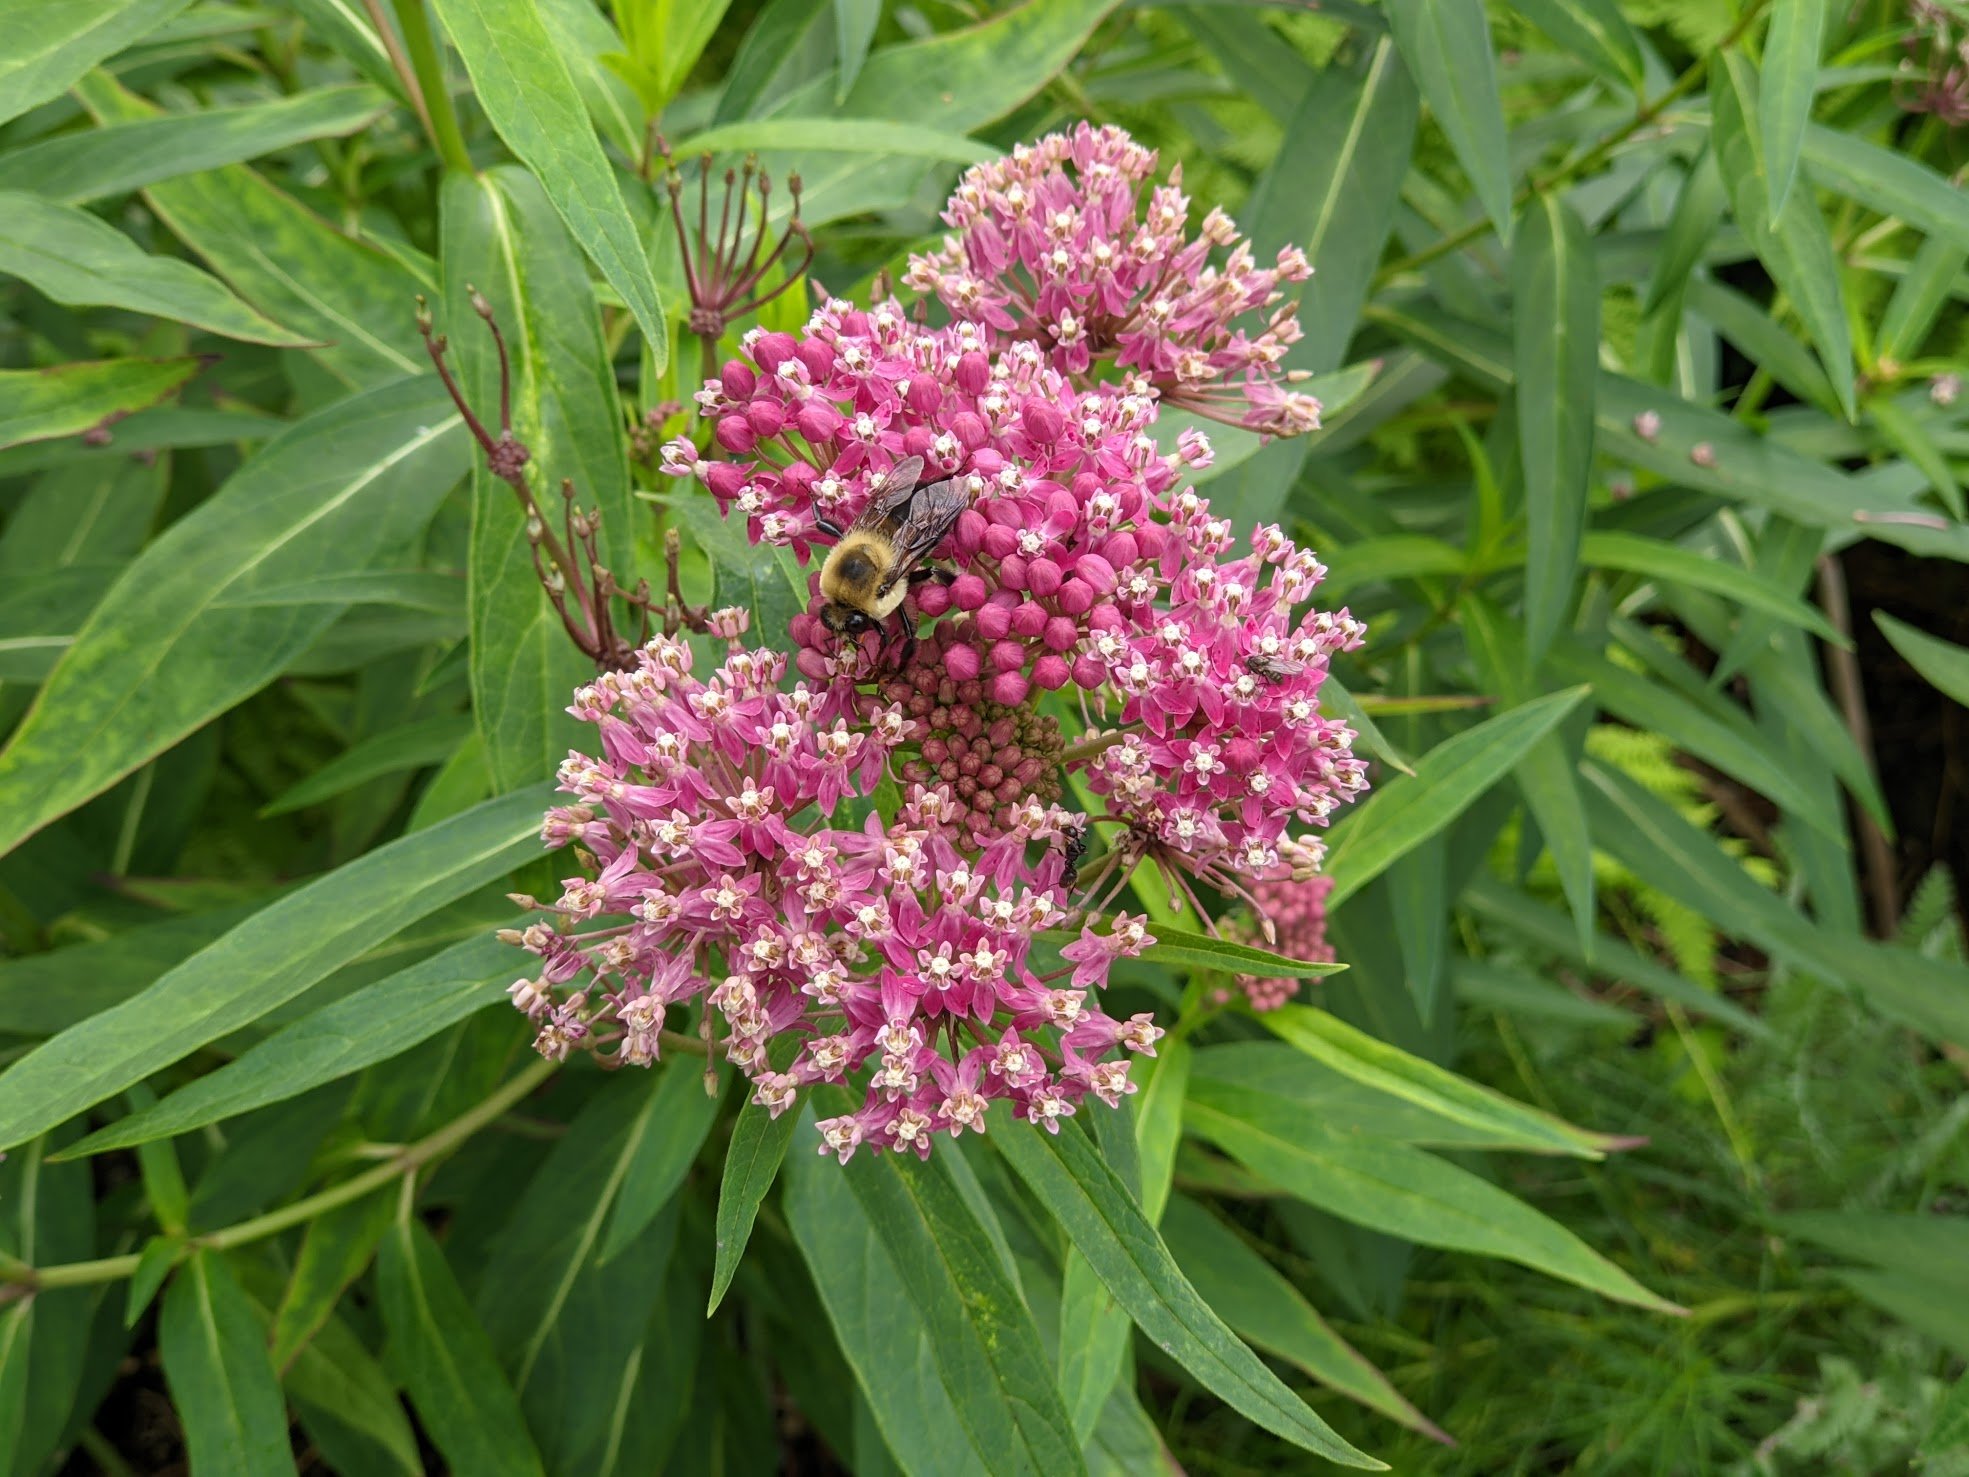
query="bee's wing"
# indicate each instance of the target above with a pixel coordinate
(925, 521)
(889, 497)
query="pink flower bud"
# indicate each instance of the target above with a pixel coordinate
(971, 527)
(735, 435)
(1042, 422)
(812, 665)
(1008, 656)
(725, 479)
(817, 421)
(1095, 572)
(772, 350)
(933, 599)
(1043, 576)
(818, 356)
(968, 592)
(969, 429)
(1089, 672)
(1009, 688)
(1051, 672)
(1076, 597)
(765, 417)
(1012, 572)
(925, 395)
(916, 441)
(737, 379)
(995, 621)
(963, 663)
(1029, 619)
(973, 373)
(1060, 633)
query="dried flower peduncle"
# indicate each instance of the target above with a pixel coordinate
(567, 563)
(726, 279)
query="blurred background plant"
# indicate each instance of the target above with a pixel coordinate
(1639, 328)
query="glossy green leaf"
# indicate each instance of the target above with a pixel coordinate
(50, 45)
(1594, 31)
(335, 1249)
(284, 259)
(446, 1363)
(1771, 345)
(752, 576)
(1398, 1190)
(1920, 296)
(837, 136)
(222, 1383)
(1405, 812)
(47, 1217)
(1789, 76)
(752, 1160)
(75, 168)
(1692, 227)
(414, 746)
(374, 1024)
(1068, 1176)
(76, 259)
(1354, 1054)
(1181, 946)
(349, 1406)
(1796, 248)
(41, 404)
(676, 1119)
(526, 91)
(584, 37)
(1555, 316)
(1268, 1311)
(1446, 44)
(326, 496)
(1672, 564)
(502, 237)
(158, 1259)
(266, 961)
(1944, 664)
(1889, 181)
(854, 29)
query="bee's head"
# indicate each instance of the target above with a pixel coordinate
(844, 620)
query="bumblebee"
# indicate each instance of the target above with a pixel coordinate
(880, 556)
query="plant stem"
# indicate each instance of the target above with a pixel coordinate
(1843, 667)
(415, 1157)
(1648, 112)
(441, 117)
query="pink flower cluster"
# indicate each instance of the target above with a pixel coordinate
(1295, 909)
(1054, 246)
(715, 876)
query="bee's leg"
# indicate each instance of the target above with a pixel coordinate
(905, 628)
(932, 572)
(829, 527)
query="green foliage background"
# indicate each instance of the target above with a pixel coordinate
(1636, 320)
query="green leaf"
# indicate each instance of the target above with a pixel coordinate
(752, 1159)
(1269, 1312)
(160, 656)
(1892, 182)
(374, 1024)
(837, 136)
(745, 574)
(1069, 1177)
(80, 261)
(1398, 1190)
(266, 961)
(1446, 44)
(583, 36)
(284, 259)
(1765, 342)
(1931, 1245)
(1796, 248)
(1944, 664)
(75, 168)
(336, 1247)
(676, 1119)
(1594, 31)
(158, 1259)
(47, 1217)
(1448, 779)
(16, 1350)
(1790, 77)
(854, 29)
(1691, 229)
(982, 1338)
(524, 87)
(446, 1363)
(1362, 1058)
(1181, 946)
(41, 404)
(1555, 316)
(414, 746)
(1909, 436)
(1672, 564)
(502, 237)
(49, 46)
(1920, 296)
(350, 1407)
(222, 1384)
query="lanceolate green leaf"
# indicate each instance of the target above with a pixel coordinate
(41, 404)
(446, 1363)
(1797, 248)
(77, 259)
(1594, 31)
(159, 657)
(1888, 181)
(222, 1383)
(524, 87)
(1245, 1290)
(1447, 781)
(1675, 565)
(1399, 1190)
(413, 746)
(79, 167)
(335, 1250)
(1070, 1178)
(1182, 947)
(1446, 44)
(1943, 663)
(837, 135)
(752, 1160)
(49, 46)
(1790, 81)
(266, 961)
(671, 1129)
(372, 1025)
(1556, 321)
(502, 237)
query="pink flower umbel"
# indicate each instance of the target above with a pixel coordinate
(1054, 245)
(1292, 911)
(898, 960)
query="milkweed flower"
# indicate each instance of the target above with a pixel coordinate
(1055, 245)
(896, 957)
(1293, 914)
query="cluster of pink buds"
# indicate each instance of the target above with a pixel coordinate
(894, 959)
(1055, 246)
(1290, 917)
